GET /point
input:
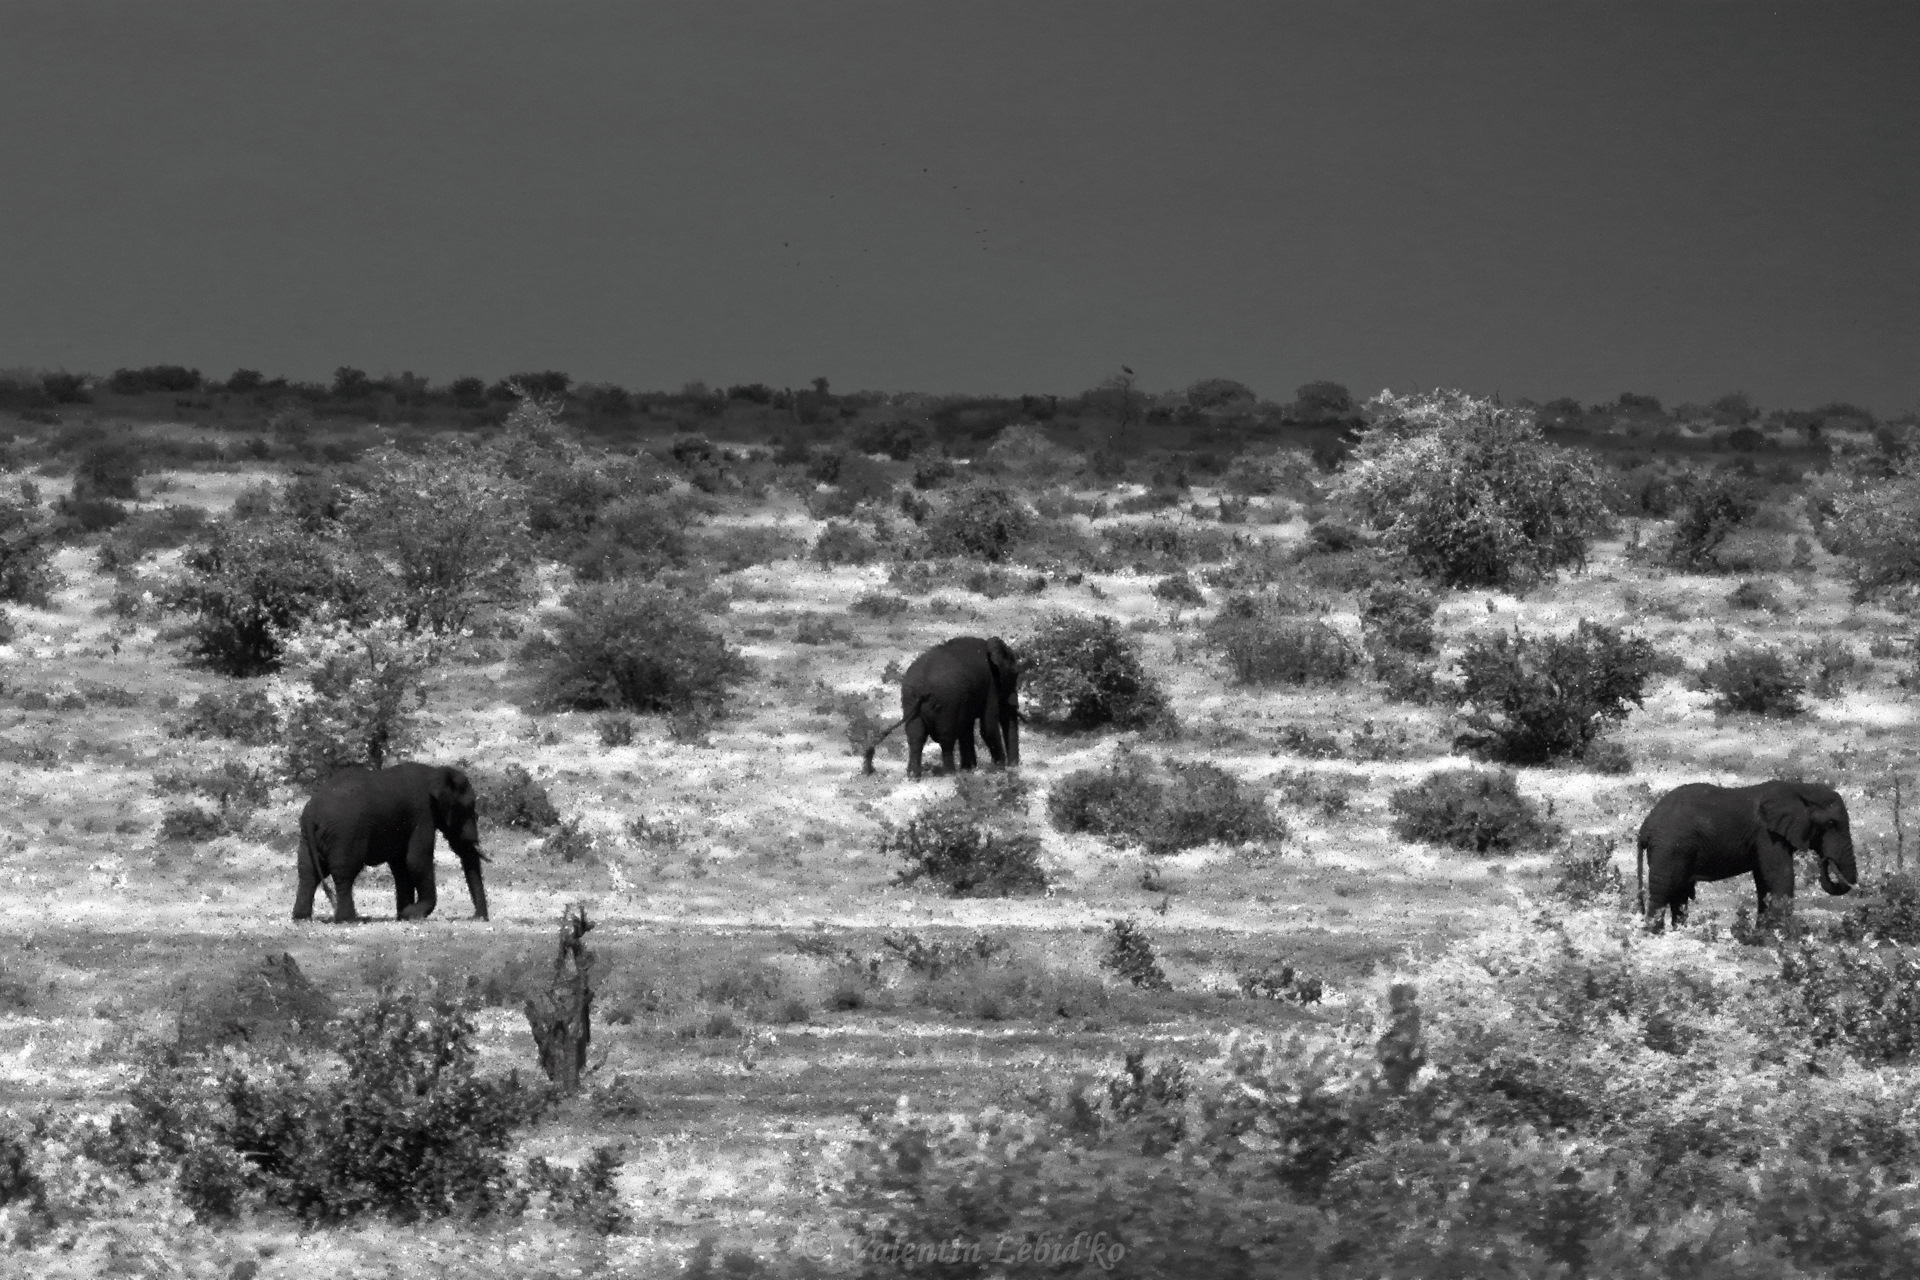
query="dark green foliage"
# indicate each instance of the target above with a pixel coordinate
(26, 552)
(982, 522)
(568, 842)
(1178, 590)
(1282, 982)
(583, 1196)
(633, 537)
(146, 532)
(314, 501)
(1714, 507)
(1829, 664)
(1890, 911)
(91, 514)
(1164, 544)
(1163, 807)
(1264, 645)
(251, 583)
(1129, 955)
(1473, 809)
(192, 824)
(1755, 593)
(1398, 618)
(407, 1131)
(846, 542)
(244, 716)
(1865, 1001)
(616, 730)
(1546, 698)
(1755, 679)
(968, 845)
(514, 798)
(1586, 875)
(879, 604)
(631, 646)
(1084, 672)
(109, 469)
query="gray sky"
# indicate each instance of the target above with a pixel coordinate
(1541, 199)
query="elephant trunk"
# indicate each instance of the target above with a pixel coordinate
(1838, 874)
(1010, 731)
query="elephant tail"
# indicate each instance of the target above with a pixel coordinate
(311, 861)
(1640, 872)
(873, 745)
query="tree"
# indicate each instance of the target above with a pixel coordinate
(1876, 527)
(1468, 489)
(1322, 402)
(449, 529)
(1216, 393)
(352, 694)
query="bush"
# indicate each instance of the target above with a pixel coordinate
(110, 469)
(1263, 646)
(1890, 912)
(92, 515)
(845, 542)
(353, 693)
(879, 604)
(967, 848)
(1470, 492)
(251, 585)
(192, 824)
(1714, 508)
(1083, 672)
(26, 553)
(637, 536)
(1754, 679)
(1829, 665)
(1876, 526)
(1165, 544)
(267, 1002)
(1585, 875)
(616, 730)
(982, 522)
(1547, 698)
(406, 1131)
(631, 646)
(1162, 807)
(568, 842)
(148, 532)
(1397, 618)
(1473, 809)
(245, 716)
(1756, 593)
(1129, 954)
(513, 798)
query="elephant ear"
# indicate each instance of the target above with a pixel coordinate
(1784, 812)
(451, 790)
(1005, 665)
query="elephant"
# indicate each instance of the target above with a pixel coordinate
(1703, 832)
(360, 818)
(949, 688)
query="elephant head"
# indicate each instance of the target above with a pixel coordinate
(1806, 815)
(1005, 665)
(452, 799)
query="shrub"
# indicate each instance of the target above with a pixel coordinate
(272, 1000)
(1714, 507)
(110, 469)
(1545, 698)
(1473, 809)
(1178, 590)
(151, 531)
(616, 730)
(1263, 646)
(1470, 492)
(27, 575)
(637, 536)
(1891, 911)
(968, 851)
(245, 716)
(1282, 982)
(1829, 665)
(513, 798)
(982, 522)
(1865, 1001)
(407, 1130)
(353, 693)
(1876, 526)
(252, 585)
(879, 604)
(845, 542)
(733, 549)
(1162, 807)
(1167, 544)
(568, 842)
(1398, 618)
(1585, 875)
(1754, 679)
(1082, 672)
(631, 646)
(450, 528)
(1304, 789)
(1129, 955)
(191, 824)
(1756, 593)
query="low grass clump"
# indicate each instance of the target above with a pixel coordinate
(1480, 810)
(1163, 806)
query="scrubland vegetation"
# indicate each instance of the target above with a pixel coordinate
(1301, 942)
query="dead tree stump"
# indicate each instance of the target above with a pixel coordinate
(559, 1015)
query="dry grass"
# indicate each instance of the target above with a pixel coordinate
(732, 878)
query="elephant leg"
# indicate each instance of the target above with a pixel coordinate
(916, 743)
(969, 755)
(476, 889)
(417, 869)
(946, 757)
(1773, 876)
(303, 896)
(403, 892)
(343, 908)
